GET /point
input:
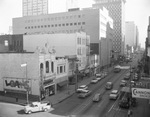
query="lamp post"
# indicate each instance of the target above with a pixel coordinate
(25, 65)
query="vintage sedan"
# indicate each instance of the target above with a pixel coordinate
(97, 97)
(114, 94)
(95, 80)
(84, 94)
(82, 88)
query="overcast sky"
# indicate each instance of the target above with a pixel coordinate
(136, 10)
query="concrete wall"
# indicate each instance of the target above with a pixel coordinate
(11, 68)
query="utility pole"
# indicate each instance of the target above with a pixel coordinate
(27, 88)
(76, 77)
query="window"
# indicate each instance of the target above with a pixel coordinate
(52, 67)
(64, 68)
(61, 69)
(67, 24)
(55, 25)
(83, 23)
(70, 24)
(45, 26)
(57, 70)
(6, 42)
(79, 23)
(47, 67)
(59, 24)
(75, 23)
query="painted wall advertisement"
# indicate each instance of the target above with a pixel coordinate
(17, 84)
(141, 93)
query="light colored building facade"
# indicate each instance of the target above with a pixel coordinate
(130, 34)
(34, 7)
(64, 44)
(116, 10)
(39, 72)
(87, 20)
(132, 37)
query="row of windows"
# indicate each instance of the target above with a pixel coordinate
(55, 25)
(55, 18)
(61, 69)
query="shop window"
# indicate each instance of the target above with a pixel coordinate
(47, 67)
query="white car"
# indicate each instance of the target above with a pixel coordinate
(82, 88)
(94, 80)
(113, 94)
(98, 75)
(98, 78)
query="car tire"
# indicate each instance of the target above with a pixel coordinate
(29, 112)
(45, 109)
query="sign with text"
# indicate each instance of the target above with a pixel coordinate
(141, 93)
(17, 84)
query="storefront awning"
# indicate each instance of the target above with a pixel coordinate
(63, 83)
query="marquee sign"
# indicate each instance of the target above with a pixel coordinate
(20, 84)
(141, 93)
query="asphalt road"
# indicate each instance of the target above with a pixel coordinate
(86, 107)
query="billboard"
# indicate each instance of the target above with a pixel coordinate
(17, 84)
(141, 93)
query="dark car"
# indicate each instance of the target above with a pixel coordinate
(97, 97)
(109, 85)
(124, 103)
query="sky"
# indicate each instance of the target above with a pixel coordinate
(135, 10)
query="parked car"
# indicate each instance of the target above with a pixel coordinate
(114, 94)
(82, 88)
(37, 106)
(98, 78)
(127, 76)
(98, 75)
(124, 103)
(123, 83)
(97, 97)
(95, 80)
(109, 85)
(84, 94)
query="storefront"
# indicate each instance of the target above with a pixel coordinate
(48, 86)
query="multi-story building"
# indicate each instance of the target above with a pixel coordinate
(116, 10)
(91, 21)
(34, 7)
(11, 43)
(132, 37)
(39, 74)
(64, 45)
(130, 34)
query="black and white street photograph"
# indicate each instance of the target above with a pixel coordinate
(74, 58)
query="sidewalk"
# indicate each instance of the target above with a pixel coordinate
(142, 109)
(57, 98)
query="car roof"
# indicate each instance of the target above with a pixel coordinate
(114, 91)
(109, 82)
(82, 86)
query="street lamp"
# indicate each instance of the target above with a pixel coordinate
(25, 65)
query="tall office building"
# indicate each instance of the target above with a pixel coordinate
(132, 35)
(116, 10)
(34, 7)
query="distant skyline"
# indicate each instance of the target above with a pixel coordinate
(136, 10)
